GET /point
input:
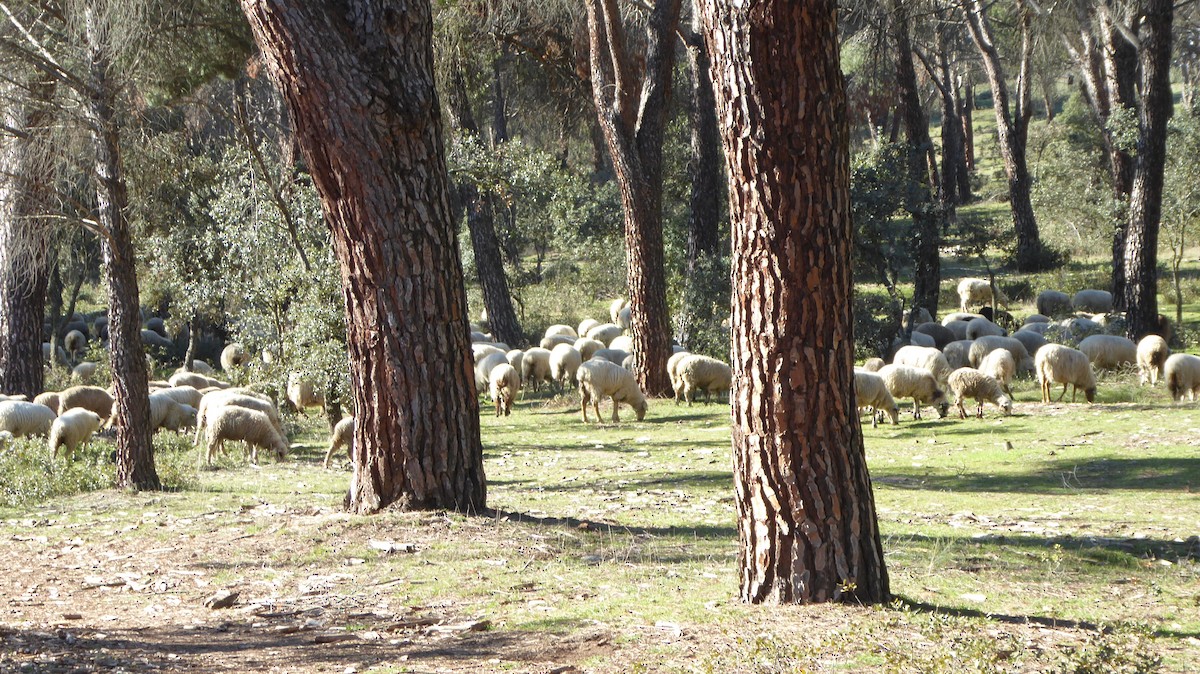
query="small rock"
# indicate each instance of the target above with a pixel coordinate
(222, 599)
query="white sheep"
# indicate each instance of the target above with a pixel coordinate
(168, 413)
(873, 364)
(918, 315)
(196, 381)
(49, 399)
(564, 363)
(1053, 303)
(1152, 353)
(604, 333)
(61, 354)
(1092, 301)
(615, 356)
(964, 316)
(985, 345)
(622, 343)
(871, 393)
(905, 381)
(982, 327)
(941, 334)
(615, 307)
(24, 418)
(625, 317)
(1109, 352)
(342, 436)
(477, 336)
(967, 383)
(202, 367)
(701, 373)
(927, 358)
(75, 342)
(85, 372)
(977, 291)
(237, 398)
(673, 373)
(233, 356)
(1182, 374)
(1058, 364)
(483, 369)
(91, 398)
(535, 367)
(1039, 328)
(184, 395)
(561, 330)
(72, 429)
(585, 325)
(481, 351)
(921, 339)
(630, 363)
(999, 365)
(602, 379)
(504, 384)
(232, 422)
(958, 329)
(1031, 339)
(1035, 318)
(302, 393)
(550, 342)
(515, 357)
(587, 347)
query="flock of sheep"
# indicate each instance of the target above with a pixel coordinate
(976, 359)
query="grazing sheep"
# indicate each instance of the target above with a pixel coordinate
(236, 398)
(629, 363)
(234, 355)
(615, 356)
(922, 339)
(21, 397)
(91, 398)
(1182, 373)
(168, 413)
(967, 383)
(61, 354)
(1092, 301)
(977, 291)
(604, 333)
(999, 365)
(587, 347)
(564, 362)
(702, 373)
(342, 436)
(985, 345)
(1075, 329)
(566, 330)
(515, 357)
(302, 393)
(905, 381)
(918, 316)
(1109, 352)
(927, 358)
(232, 422)
(941, 334)
(958, 353)
(158, 326)
(614, 309)
(958, 329)
(72, 429)
(196, 381)
(1031, 339)
(1058, 364)
(984, 328)
(477, 336)
(75, 342)
(586, 325)
(49, 399)
(1039, 328)
(151, 338)
(871, 393)
(873, 364)
(85, 372)
(625, 317)
(184, 395)
(1152, 353)
(1053, 303)
(483, 369)
(622, 343)
(503, 384)
(959, 316)
(673, 372)
(549, 342)
(602, 379)
(1035, 318)
(22, 418)
(202, 367)
(535, 368)
(481, 351)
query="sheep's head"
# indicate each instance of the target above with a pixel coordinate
(639, 408)
(893, 413)
(941, 403)
(1090, 394)
(1005, 404)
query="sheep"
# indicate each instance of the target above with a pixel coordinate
(622, 343)
(88, 397)
(184, 395)
(237, 398)
(1039, 328)
(940, 333)
(477, 336)
(233, 356)
(85, 372)
(302, 393)
(550, 342)
(984, 328)
(1053, 303)
(168, 413)
(232, 422)
(625, 317)
(196, 381)
(1035, 318)
(871, 392)
(958, 329)
(927, 358)
(75, 342)
(599, 379)
(72, 429)
(151, 338)
(514, 358)
(978, 291)
(20, 397)
(905, 381)
(483, 369)
(199, 367)
(959, 316)
(587, 347)
(585, 325)
(1075, 329)
(158, 326)
(61, 354)
(481, 351)
(673, 373)
(1031, 339)
(922, 339)
(702, 373)
(561, 330)
(564, 362)
(535, 367)
(918, 315)
(985, 345)
(630, 363)
(999, 365)
(342, 436)
(873, 364)
(1182, 374)
(503, 385)
(615, 356)
(1092, 301)
(1109, 352)
(604, 333)
(967, 383)
(49, 399)
(1152, 353)
(1058, 364)
(24, 418)
(615, 307)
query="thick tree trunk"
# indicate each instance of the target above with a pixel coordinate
(1145, 202)
(499, 106)
(135, 449)
(358, 80)
(633, 128)
(189, 356)
(806, 512)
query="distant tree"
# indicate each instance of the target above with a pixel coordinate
(806, 514)
(380, 171)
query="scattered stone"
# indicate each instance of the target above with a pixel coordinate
(222, 599)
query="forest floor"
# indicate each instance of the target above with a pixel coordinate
(1062, 538)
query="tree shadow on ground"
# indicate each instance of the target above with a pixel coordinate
(1062, 476)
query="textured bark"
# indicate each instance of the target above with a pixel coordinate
(632, 108)
(481, 224)
(1145, 201)
(358, 80)
(966, 112)
(806, 513)
(135, 457)
(1012, 126)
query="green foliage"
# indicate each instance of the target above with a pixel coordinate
(879, 188)
(32, 475)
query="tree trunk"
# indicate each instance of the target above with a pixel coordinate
(373, 144)
(189, 356)
(966, 112)
(499, 107)
(1145, 202)
(806, 512)
(502, 318)
(632, 108)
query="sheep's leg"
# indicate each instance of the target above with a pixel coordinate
(979, 413)
(616, 419)
(689, 392)
(916, 409)
(329, 455)
(1064, 394)
(962, 412)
